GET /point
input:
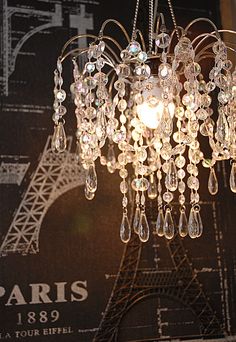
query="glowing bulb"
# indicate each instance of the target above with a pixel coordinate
(150, 114)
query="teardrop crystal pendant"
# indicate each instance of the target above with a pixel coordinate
(171, 180)
(193, 225)
(91, 179)
(232, 179)
(212, 182)
(125, 230)
(160, 223)
(168, 227)
(143, 228)
(152, 189)
(183, 223)
(136, 220)
(88, 194)
(199, 219)
(111, 159)
(59, 138)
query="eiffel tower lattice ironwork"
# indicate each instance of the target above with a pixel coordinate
(54, 175)
(134, 283)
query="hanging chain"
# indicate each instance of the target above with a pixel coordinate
(150, 25)
(133, 37)
(173, 18)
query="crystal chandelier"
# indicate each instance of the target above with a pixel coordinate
(147, 113)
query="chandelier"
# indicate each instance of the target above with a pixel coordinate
(149, 113)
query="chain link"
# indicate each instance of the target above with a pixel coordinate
(150, 25)
(173, 18)
(135, 21)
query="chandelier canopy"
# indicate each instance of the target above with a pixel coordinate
(148, 113)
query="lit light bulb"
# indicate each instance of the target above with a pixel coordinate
(151, 110)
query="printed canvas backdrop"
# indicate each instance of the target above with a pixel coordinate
(60, 254)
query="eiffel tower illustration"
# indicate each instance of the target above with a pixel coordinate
(134, 283)
(54, 175)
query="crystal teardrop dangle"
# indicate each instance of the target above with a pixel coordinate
(212, 182)
(136, 220)
(232, 179)
(160, 223)
(193, 225)
(183, 223)
(168, 227)
(91, 178)
(88, 194)
(143, 229)
(111, 159)
(59, 138)
(152, 189)
(199, 219)
(125, 230)
(171, 180)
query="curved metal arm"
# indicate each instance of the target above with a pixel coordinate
(118, 24)
(203, 19)
(207, 35)
(141, 39)
(78, 36)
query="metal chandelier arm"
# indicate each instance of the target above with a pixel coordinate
(208, 21)
(118, 24)
(77, 37)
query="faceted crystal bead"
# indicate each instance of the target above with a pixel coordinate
(168, 196)
(123, 173)
(142, 56)
(168, 226)
(162, 40)
(143, 229)
(194, 197)
(100, 63)
(202, 114)
(160, 223)
(123, 70)
(143, 71)
(90, 82)
(141, 154)
(124, 187)
(125, 54)
(212, 182)
(60, 95)
(181, 199)
(180, 161)
(193, 183)
(122, 105)
(134, 48)
(89, 67)
(101, 78)
(140, 184)
(164, 71)
(125, 230)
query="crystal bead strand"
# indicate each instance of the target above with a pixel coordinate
(59, 136)
(160, 215)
